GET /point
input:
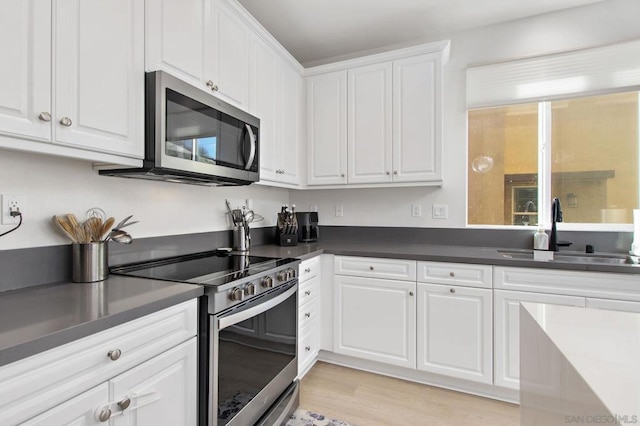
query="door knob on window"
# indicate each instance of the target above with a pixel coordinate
(45, 116)
(66, 121)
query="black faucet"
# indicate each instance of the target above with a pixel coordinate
(556, 216)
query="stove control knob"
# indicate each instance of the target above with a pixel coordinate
(282, 275)
(267, 282)
(237, 294)
(250, 290)
(291, 273)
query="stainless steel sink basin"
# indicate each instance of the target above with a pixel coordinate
(601, 259)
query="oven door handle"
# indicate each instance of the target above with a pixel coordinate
(227, 321)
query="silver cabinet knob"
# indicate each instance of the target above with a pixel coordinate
(453, 290)
(307, 348)
(307, 315)
(307, 270)
(45, 116)
(124, 404)
(410, 293)
(307, 293)
(395, 172)
(388, 173)
(371, 268)
(215, 88)
(104, 415)
(66, 121)
(452, 274)
(342, 175)
(209, 83)
(115, 354)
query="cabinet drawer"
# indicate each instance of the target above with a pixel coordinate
(308, 290)
(34, 384)
(309, 269)
(395, 269)
(309, 345)
(308, 312)
(455, 274)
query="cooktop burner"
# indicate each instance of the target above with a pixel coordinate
(208, 269)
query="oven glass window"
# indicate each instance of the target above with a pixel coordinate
(252, 353)
(197, 132)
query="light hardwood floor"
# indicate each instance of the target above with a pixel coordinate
(367, 399)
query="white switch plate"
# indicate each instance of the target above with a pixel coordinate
(416, 210)
(9, 201)
(440, 211)
(339, 210)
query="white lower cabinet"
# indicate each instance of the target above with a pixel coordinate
(455, 331)
(308, 314)
(375, 319)
(507, 330)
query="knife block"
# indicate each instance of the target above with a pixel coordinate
(287, 230)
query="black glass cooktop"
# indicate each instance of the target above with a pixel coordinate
(207, 268)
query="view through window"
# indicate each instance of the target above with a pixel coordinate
(584, 151)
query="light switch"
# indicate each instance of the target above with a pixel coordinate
(440, 211)
(339, 210)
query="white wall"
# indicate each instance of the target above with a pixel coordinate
(54, 185)
(594, 25)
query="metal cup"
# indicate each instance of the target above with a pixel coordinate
(89, 262)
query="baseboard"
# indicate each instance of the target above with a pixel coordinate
(412, 375)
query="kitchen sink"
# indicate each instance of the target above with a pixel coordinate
(587, 258)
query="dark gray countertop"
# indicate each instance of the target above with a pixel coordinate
(432, 252)
(39, 318)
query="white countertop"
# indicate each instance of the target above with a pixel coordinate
(603, 347)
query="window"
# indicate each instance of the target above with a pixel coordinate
(584, 151)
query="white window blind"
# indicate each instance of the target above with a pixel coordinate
(561, 75)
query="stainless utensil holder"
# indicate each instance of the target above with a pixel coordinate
(241, 239)
(89, 262)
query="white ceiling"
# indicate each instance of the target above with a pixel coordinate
(316, 30)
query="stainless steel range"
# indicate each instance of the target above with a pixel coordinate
(248, 333)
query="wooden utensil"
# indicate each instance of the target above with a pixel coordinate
(59, 224)
(106, 227)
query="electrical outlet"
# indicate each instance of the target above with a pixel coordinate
(11, 203)
(339, 210)
(416, 210)
(440, 211)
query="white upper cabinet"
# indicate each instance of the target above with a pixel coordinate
(391, 116)
(86, 90)
(417, 122)
(25, 68)
(203, 42)
(289, 122)
(99, 78)
(230, 56)
(327, 128)
(369, 123)
(177, 39)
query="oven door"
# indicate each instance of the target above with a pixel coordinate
(253, 356)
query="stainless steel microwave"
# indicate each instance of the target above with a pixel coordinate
(193, 137)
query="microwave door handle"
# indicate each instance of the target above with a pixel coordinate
(232, 319)
(252, 151)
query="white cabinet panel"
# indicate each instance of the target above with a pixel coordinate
(163, 390)
(369, 123)
(613, 305)
(230, 61)
(327, 128)
(78, 411)
(25, 68)
(455, 274)
(99, 75)
(289, 122)
(395, 269)
(455, 332)
(507, 330)
(176, 38)
(417, 127)
(375, 319)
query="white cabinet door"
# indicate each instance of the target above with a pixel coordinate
(455, 331)
(263, 104)
(327, 128)
(177, 39)
(290, 125)
(99, 75)
(375, 319)
(417, 129)
(230, 60)
(25, 68)
(506, 305)
(78, 411)
(369, 123)
(162, 391)
(613, 305)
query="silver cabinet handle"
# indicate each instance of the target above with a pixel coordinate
(395, 172)
(307, 293)
(342, 175)
(453, 290)
(115, 354)
(210, 84)
(307, 270)
(45, 116)
(215, 88)
(307, 315)
(307, 348)
(66, 121)
(388, 173)
(410, 293)
(104, 415)
(452, 274)
(124, 404)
